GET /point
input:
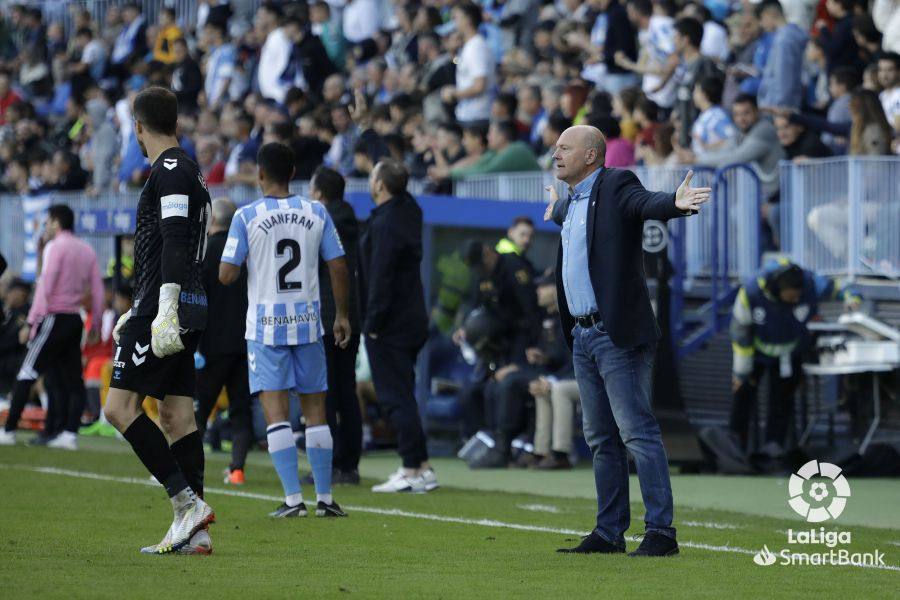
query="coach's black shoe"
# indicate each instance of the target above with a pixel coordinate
(656, 544)
(329, 510)
(592, 543)
(341, 477)
(288, 512)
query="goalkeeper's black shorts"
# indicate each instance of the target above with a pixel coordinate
(137, 369)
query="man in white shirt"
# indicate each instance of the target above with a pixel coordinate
(361, 20)
(475, 69)
(275, 54)
(656, 39)
(889, 79)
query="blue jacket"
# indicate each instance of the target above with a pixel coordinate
(781, 85)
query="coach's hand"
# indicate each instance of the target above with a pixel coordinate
(341, 332)
(117, 330)
(165, 331)
(688, 198)
(554, 197)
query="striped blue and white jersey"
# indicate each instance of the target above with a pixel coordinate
(281, 239)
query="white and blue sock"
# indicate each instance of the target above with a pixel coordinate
(319, 450)
(284, 458)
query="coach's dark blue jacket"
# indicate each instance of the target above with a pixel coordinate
(619, 205)
(390, 278)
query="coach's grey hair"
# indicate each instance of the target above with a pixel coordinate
(222, 211)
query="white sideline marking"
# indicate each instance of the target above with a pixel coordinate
(547, 508)
(395, 512)
(710, 525)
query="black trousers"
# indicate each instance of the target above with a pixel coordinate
(228, 371)
(394, 377)
(342, 405)
(498, 406)
(56, 345)
(780, 402)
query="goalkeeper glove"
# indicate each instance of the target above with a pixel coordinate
(117, 330)
(165, 332)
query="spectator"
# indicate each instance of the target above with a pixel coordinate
(756, 144)
(219, 63)
(275, 55)
(870, 132)
(209, 160)
(309, 63)
(614, 34)
(340, 154)
(886, 14)
(692, 67)
(187, 80)
(752, 47)
(657, 61)
(715, 36)
(103, 144)
(505, 154)
(838, 41)
(131, 43)
(361, 20)
(798, 142)
(168, 33)
(89, 63)
(780, 84)
(241, 164)
(8, 96)
(619, 151)
(474, 68)
(713, 129)
(889, 79)
(328, 30)
(841, 82)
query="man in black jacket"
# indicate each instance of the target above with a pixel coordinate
(187, 81)
(609, 323)
(341, 405)
(223, 345)
(395, 321)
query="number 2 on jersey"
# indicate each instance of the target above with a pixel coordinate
(292, 247)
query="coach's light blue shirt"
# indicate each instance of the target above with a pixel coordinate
(576, 277)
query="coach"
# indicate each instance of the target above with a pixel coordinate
(606, 316)
(395, 322)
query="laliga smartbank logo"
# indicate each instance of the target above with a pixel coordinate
(818, 492)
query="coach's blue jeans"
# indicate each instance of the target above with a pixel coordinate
(615, 399)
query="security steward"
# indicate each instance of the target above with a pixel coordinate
(769, 335)
(505, 289)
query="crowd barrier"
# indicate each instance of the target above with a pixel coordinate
(841, 216)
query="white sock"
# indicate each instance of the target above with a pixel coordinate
(183, 499)
(293, 499)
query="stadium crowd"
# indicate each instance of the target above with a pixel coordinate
(452, 89)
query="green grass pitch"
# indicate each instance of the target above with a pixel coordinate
(72, 523)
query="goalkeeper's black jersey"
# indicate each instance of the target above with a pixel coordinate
(173, 211)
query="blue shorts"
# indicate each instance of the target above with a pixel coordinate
(275, 368)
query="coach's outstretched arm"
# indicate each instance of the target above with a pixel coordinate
(340, 284)
(637, 202)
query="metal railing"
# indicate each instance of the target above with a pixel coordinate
(840, 214)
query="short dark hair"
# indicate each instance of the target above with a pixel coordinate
(62, 214)
(283, 130)
(393, 174)
(329, 182)
(648, 107)
(509, 101)
(690, 28)
(558, 122)
(769, 5)
(218, 26)
(847, 76)
(712, 88)
(891, 56)
(453, 129)
(643, 7)
(522, 220)
(156, 108)
(746, 99)
(276, 160)
(478, 130)
(507, 129)
(84, 31)
(472, 12)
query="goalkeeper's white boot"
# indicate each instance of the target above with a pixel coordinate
(200, 544)
(161, 546)
(190, 517)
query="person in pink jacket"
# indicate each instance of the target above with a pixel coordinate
(69, 273)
